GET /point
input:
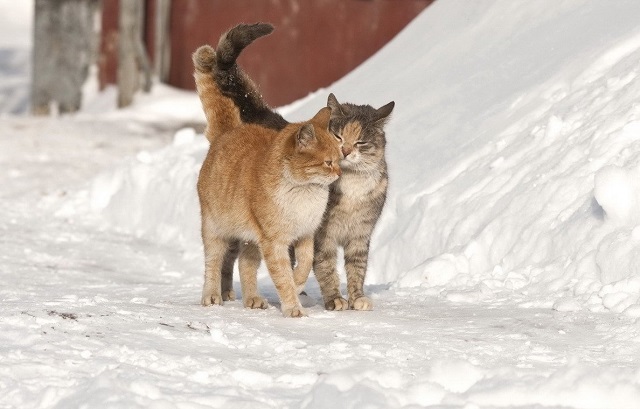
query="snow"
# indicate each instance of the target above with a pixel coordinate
(504, 270)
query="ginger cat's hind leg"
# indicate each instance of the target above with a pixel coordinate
(248, 264)
(215, 249)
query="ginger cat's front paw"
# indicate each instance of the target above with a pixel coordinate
(229, 295)
(294, 312)
(362, 304)
(256, 302)
(337, 304)
(209, 298)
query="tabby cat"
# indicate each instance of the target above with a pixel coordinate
(355, 202)
(361, 195)
(262, 188)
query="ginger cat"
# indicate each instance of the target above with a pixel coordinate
(229, 97)
(260, 188)
(268, 189)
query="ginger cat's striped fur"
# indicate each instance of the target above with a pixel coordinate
(260, 188)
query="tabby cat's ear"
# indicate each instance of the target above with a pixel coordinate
(306, 136)
(383, 113)
(322, 117)
(336, 108)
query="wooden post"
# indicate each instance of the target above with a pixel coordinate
(64, 48)
(128, 29)
(162, 41)
(133, 61)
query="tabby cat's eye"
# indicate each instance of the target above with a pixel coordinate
(338, 137)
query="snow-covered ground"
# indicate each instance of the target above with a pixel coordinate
(505, 270)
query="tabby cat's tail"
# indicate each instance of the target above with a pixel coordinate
(235, 40)
(229, 97)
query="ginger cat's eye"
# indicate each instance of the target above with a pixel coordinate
(328, 162)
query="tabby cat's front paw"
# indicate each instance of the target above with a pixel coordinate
(337, 304)
(361, 304)
(294, 312)
(256, 302)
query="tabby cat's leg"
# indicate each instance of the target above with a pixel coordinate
(248, 264)
(304, 258)
(356, 252)
(215, 249)
(227, 271)
(292, 256)
(324, 267)
(276, 256)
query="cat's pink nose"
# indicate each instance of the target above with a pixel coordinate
(346, 150)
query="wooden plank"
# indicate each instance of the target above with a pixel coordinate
(128, 29)
(65, 41)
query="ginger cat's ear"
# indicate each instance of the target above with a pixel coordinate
(322, 117)
(336, 108)
(306, 136)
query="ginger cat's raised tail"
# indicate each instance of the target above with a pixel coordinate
(229, 97)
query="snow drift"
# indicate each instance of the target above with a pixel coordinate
(514, 154)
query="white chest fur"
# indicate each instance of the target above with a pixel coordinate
(302, 207)
(357, 186)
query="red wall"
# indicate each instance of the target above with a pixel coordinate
(316, 42)
(108, 58)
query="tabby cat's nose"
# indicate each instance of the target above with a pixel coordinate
(346, 150)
